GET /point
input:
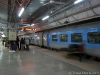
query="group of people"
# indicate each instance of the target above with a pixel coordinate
(22, 44)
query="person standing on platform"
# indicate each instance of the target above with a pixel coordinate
(27, 43)
(17, 42)
(81, 50)
(15, 46)
(22, 44)
(11, 45)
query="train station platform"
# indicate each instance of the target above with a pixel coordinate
(39, 61)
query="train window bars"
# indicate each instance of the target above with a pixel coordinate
(93, 37)
(54, 38)
(76, 37)
(63, 37)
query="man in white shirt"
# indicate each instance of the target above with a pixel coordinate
(27, 43)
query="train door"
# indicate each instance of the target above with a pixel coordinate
(48, 40)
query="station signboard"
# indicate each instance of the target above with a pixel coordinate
(12, 35)
(28, 29)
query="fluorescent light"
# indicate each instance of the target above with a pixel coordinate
(77, 1)
(45, 18)
(3, 35)
(41, 2)
(51, 1)
(32, 24)
(38, 37)
(35, 35)
(22, 10)
(28, 25)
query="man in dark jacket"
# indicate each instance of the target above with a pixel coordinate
(17, 42)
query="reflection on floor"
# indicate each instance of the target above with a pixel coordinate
(34, 62)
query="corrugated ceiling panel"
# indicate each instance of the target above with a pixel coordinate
(71, 19)
(97, 10)
(90, 13)
(63, 20)
(4, 9)
(94, 2)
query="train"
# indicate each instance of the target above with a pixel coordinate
(63, 37)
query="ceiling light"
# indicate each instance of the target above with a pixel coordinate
(45, 18)
(41, 2)
(51, 11)
(78, 1)
(32, 24)
(35, 35)
(3, 35)
(30, 14)
(51, 1)
(22, 10)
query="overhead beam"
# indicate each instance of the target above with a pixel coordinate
(63, 3)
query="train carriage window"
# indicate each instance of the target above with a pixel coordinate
(63, 37)
(76, 37)
(54, 38)
(94, 37)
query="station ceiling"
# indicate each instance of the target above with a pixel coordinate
(33, 10)
(37, 8)
(3, 16)
(3, 10)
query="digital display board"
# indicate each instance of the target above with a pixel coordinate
(28, 29)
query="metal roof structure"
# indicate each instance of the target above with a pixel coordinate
(61, 12)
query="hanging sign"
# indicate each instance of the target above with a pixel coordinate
(12, 35)
(28, 29)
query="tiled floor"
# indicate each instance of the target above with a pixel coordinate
(36, 62)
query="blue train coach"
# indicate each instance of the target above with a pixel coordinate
(88, 33)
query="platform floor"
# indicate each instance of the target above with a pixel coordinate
(39, 61)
